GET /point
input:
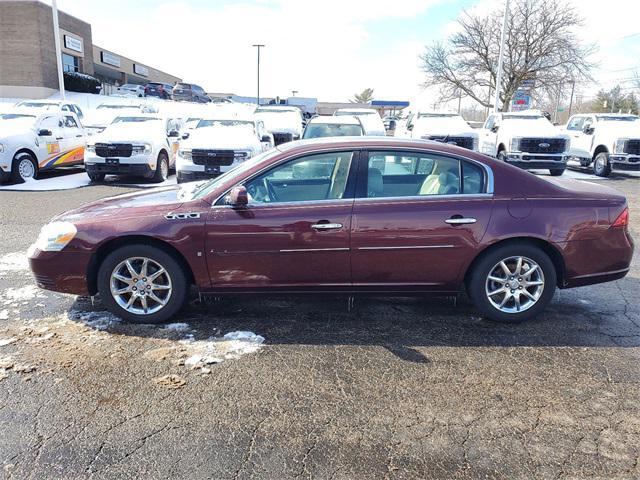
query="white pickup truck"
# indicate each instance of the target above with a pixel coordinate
(527, 140)
(606, 141)
(95, 121)
(443, 127)
(134, 145)
(216, 145)
(33, 141)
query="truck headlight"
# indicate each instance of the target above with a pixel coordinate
(55, 236)
(618, 147)
(185, 153)
(142, 148)
(515, 144)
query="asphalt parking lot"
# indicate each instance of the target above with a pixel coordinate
(397, 388)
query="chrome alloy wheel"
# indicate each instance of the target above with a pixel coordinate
(25, 168)
(140, 285)
(514, 284)
(164, 169)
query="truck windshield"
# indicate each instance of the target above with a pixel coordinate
(115, 107)
(15, 116)
(318, 130)
(224, 123)
(134, 119)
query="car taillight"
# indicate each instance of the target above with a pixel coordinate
(622, 220)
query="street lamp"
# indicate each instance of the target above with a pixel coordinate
(258, 46)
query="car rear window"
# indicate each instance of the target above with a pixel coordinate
(183, 86)
(318, 130)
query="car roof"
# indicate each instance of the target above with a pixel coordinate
(332, 120)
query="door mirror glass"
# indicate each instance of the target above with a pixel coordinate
(495, 128)
(174, 133)
(238, 197)
(185, 136)
(44, 132)
(265, 138)
(587, 129)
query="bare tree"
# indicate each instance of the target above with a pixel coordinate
(540, 45)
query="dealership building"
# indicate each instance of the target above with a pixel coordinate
(28, 67)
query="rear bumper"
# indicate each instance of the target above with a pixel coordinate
(64, 271)
(537, 160)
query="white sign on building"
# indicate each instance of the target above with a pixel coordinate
(110, 59)
(73, 43)
(140, 70)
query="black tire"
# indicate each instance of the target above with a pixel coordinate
(22, 157)
(180, 178)
(601, 165)
(556, 172)
(177, 275)
(162, 168)
(478, 279)
(502, 156)
(96, 177)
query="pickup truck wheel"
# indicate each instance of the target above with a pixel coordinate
(556, 172)
(96, 177)
(601, 165)
(142, 284)
(23, 168)
(502, 156)
(162, 168)
(512, 283)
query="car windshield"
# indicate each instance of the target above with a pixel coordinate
(114, 107)
(183, 86)
(15, 116)
(134, 119)
(202, 189)
(318, 130)
(609, 118)
(224, 123)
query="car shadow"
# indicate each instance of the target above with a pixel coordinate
(575, 318)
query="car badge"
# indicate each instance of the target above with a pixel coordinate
(211, 154)
(544, 145)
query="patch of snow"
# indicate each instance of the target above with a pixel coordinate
(4, 314)
(14, 262)
(7, 341)
(61, 182)
(216, 350)
(96, 320)
(178, 327)
(14, 295)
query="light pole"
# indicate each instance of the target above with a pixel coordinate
(258, 46)
(56, 42)
(501, 54)
(293, 93)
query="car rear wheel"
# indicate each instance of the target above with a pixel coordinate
(23, 168)
(162, 168)
(142, 284)
(512, 283)
(557, 172)
(601, 165)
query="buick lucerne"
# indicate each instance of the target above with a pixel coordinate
(348, 215)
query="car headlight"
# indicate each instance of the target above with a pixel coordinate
(91, 148)
(515, 144)
(185, 153)
(1, 148)
(55, 236)
(141, 148)
(618, 147)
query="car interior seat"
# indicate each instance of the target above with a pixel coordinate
(443, 180)
(375, 185)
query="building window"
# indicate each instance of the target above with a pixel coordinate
(70, 63)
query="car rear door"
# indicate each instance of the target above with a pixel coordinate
(418, 219)
(294, 234)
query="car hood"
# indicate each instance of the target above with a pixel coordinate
(127, 132)
(529, 129)
(156, 200)
(443, 126)
(10, 128)
(619, 129)
(221, 138)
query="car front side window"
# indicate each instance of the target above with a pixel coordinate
(310, 178)
(576, 123)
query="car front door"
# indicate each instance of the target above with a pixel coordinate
(294, 233)
(71, 141)
(578, 140)
(489, 137)
(418, 219)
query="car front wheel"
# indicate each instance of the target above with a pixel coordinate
(512, 283)
(23, 168)
(142, 284)
(162, 168)
(601, 165)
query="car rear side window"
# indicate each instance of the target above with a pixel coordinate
(408, 174)
(309, 178)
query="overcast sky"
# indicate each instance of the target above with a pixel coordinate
(328, 49)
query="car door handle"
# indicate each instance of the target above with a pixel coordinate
(460, 220)
(326, 226)
(78, 136)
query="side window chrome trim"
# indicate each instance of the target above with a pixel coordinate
(414, 198)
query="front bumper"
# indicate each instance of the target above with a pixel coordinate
(64, 271)
(624, 162)
(527, 161)
(135, 165)
(4, 176)
(187, 176)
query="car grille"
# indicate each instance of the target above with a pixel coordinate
(464, 142)
(543, 145)
(632, 147)
(113, 149)
(279, 138)
(45, 282)
(221, 158)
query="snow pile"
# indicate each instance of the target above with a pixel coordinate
(218, 349)
(61, 182)
(96, 320)
(23, 294)
(14, 262)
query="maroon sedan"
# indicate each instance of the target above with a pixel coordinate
(347, 216)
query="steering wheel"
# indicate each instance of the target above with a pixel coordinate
(272, 193)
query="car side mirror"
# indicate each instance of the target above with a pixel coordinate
(410, 127)
(44, 132)
(587, 130)
(185, 136)
(238, 197)
(174, 133)
(265, 138)
(495, 128)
